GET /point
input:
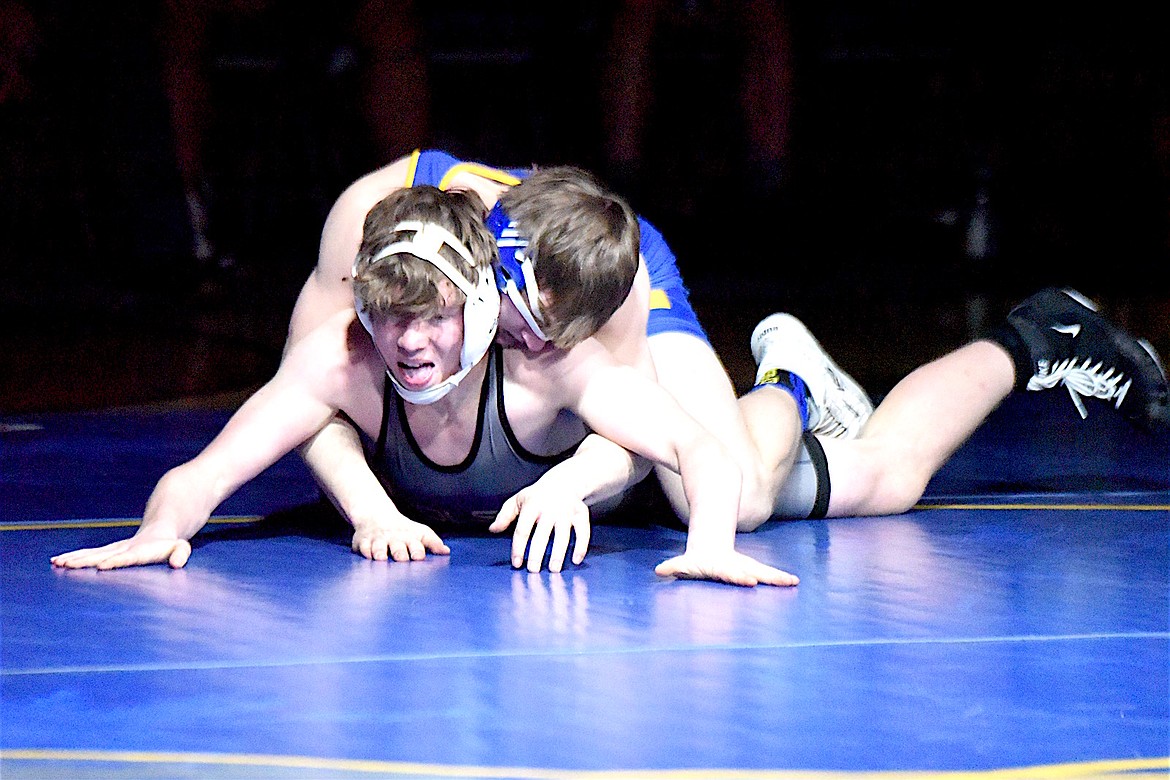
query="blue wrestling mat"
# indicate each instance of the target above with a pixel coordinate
(1016, 624)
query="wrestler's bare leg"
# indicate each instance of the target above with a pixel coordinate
(689, 368)
(916, 428)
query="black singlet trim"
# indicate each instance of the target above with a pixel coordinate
(414, 446)
(816, 454)
(380, 447)
(517, 447)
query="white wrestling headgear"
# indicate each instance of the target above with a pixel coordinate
(481, 311)
(515, 276)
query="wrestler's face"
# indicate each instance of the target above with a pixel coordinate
(423, 351)
(515, 333)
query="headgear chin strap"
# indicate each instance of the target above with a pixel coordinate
(481, 310)
(515, 276)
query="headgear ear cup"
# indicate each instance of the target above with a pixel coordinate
(481, 316)
(515, 275)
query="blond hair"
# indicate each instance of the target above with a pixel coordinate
(402, 285)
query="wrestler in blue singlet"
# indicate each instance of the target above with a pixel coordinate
(670, 306)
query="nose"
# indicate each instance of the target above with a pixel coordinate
(412, 337)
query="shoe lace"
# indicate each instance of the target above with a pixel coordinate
(1083, 380)
(830, 427)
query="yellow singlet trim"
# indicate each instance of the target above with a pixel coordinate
(412, 169)
(483, 171)
(1067, 771)
(492, 174)
(659, 300)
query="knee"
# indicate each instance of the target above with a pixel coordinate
(898, 494)
(749, 523)
(755, 505)
(888, 481)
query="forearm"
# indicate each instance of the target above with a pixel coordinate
(712, 483)
(626, 408)
(598, 470)
(335, 458)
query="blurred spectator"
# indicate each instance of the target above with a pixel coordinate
(300, 50)
(86, 170)
(753, 36)
(20, 39)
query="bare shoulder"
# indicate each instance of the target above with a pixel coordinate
(560, 374)
(375, 185)
(343, 226)
(338, 350)
(335, 365)
(488, 189)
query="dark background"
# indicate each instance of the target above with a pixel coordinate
(911, 122)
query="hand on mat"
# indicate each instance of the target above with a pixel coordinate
(399, 539)
(731, 567)
(138, 550)
(541, 514)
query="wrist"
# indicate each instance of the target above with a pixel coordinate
(380, 517)
(702, 534)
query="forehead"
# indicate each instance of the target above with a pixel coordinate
(446, 293)
(449, 300)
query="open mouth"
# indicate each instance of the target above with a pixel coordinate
(416, 374)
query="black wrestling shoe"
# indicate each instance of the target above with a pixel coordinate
(1070, 344)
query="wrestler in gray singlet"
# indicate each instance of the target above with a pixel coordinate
(471, 492)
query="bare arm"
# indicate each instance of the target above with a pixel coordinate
(630, 410)
(627, 408)
(329, 288)
(334, 455)
(380, 530)
(284, 412)
(558, 503)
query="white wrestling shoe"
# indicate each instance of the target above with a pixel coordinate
(838, 406)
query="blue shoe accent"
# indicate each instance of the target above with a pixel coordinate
(792, 384)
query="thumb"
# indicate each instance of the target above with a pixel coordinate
(180, 554)
(434, 543)
(668, 568)
(507, 514)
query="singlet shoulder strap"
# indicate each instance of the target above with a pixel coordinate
(497, 380)
(388, 395)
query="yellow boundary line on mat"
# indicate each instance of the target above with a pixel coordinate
(57, 525)
(1062, 771)
(128, 522)
(1065, 507)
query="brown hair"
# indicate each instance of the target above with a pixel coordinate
(583, 241)
(402, 284)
